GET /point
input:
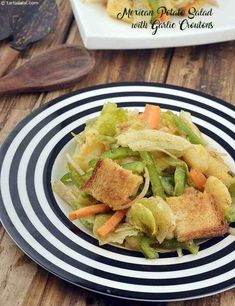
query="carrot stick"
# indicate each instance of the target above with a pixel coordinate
(151, 115)
(88, 211)
(110, 225)
(198, 178)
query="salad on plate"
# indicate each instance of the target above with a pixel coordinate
(147, 181)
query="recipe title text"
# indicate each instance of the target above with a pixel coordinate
(160, 19)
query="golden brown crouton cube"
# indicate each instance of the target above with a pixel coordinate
(197, 216)
(111, 184)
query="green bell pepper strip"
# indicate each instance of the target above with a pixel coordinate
(184, 128)
(168, 184)
(180, 177)
(174, 244)
(88, 221)
(136, 166)
(92, 163)
(85, 177)
(65, 179)
(172, 162)
(117, 153)
(145, 246)
(85, 195)
(154, 174)
(75, 177)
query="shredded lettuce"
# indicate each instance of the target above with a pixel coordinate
(167, 162)
(90, 149)
(107, 141)
(142, 218)
(188, 118)
(153, 140)
(133, 242)
(76, 199)
(109, 118)
(88, 222)
(67, 193)
(153, 216)
(167, 120)
(163, 215)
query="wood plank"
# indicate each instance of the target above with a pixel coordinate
(36, 288)
(205, 68)
(11, 104)
(57, 36)
(58, 292)
(4, 51)
(119, 66)
(226, 298)
(12, 110)
(17, 272)
(125, 65)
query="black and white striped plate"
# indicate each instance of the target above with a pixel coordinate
(33, 155)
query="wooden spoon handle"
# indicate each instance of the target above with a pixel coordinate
(7, 59)
(8, 86)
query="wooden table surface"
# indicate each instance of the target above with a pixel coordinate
(210, 69)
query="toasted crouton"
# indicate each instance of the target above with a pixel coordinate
(197, 216)
(111, 184)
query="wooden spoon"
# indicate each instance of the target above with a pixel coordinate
(60, 67)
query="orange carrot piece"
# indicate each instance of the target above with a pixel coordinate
(151, 115)
(110, 225)
(88, 211)
(198, 178)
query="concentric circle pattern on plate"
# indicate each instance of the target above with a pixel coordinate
(33, 218)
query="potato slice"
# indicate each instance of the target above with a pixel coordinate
(142, 5)
(197, 157)
(114, 7)
(219, 169)
(220, 191)
(92, 148)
